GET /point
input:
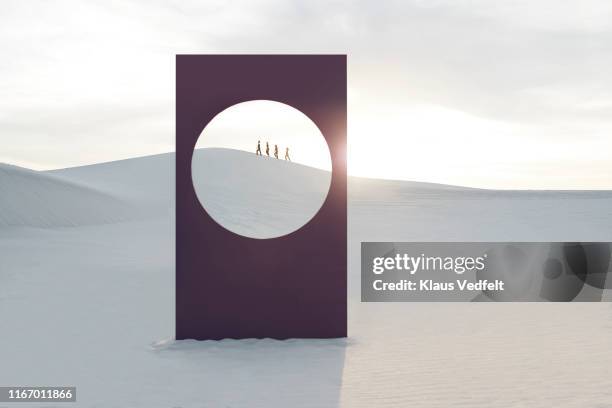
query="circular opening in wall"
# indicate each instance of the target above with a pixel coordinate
(261, 169)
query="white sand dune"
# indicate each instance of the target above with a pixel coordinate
(280, 196)
(37, 199)
(397, 210)
(147, 182)
(88, 305)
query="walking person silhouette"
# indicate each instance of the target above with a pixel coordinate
(276, 151)
(258, 151)
(287, 154)
(267, 149)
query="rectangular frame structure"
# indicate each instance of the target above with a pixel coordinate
(230, 286)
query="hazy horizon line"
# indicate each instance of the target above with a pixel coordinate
(420, 181)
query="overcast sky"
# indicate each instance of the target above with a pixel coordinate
(514, 94)
(280, 126)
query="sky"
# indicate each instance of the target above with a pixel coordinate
(504, 94)
(243, 125)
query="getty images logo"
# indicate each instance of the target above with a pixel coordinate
(414, 264)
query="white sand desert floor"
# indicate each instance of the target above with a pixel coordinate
(87, 299)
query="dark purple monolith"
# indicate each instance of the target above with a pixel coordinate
(231, 286)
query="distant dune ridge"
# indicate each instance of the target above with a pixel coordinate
(38, 199)
(143, 187)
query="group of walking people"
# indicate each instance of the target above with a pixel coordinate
(258, 151)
